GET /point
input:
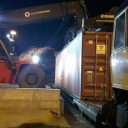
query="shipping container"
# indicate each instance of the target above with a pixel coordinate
(83, 66)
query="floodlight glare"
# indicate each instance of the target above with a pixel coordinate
(12, 32)
(35, 59)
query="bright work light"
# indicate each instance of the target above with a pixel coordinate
(35, 59)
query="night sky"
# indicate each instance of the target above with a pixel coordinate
(47, 33)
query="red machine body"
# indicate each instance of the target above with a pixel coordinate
(7, 74)
(19, 71)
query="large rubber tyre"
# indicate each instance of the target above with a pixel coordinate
(31, 76)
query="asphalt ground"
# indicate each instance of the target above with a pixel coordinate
(75, 118)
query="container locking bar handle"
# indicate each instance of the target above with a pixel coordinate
(95, 77)
(106, 66)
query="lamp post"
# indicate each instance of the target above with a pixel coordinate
(11, 36)
(12, 33)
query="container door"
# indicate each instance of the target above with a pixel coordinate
(96, 66)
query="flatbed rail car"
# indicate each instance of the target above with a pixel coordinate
(91, 109)
(83, 71)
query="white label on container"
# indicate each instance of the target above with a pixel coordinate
(100, 49)
(89, 72)
(90, 42)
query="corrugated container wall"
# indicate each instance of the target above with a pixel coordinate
(83, 66)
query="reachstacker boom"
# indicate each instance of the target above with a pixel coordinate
(24, 73)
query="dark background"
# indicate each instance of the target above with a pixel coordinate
(48, 33)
